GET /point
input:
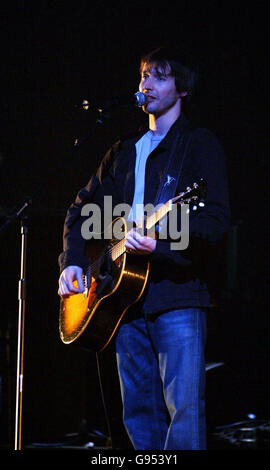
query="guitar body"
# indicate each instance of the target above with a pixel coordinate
(92, 318)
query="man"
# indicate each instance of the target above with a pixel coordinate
(160, 344)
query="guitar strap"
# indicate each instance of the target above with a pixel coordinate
(172, 173)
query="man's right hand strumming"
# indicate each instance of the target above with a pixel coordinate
(67, 278)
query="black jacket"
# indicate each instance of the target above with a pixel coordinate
(177, 278)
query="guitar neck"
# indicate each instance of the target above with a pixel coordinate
(153, 219)
(149, 223)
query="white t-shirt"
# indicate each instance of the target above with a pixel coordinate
(144, 147)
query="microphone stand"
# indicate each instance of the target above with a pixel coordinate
(20, 213)
(20, 341)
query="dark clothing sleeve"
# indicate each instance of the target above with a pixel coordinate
(100, 185)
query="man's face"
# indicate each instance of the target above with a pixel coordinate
(159, 88)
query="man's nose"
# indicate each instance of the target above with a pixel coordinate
(148, 84)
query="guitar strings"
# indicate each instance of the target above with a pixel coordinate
(119, 249)
(109, 252)
(152, 220)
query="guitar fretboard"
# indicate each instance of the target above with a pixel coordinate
(150, 222)
(118, 249)
(153, 219)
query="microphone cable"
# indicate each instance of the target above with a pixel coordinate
(107, 421)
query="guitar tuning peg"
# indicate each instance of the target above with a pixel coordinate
(194, 208)
(201, 204)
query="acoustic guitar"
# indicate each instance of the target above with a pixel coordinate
(115, 280)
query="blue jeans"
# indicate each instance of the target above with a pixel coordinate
(161, 368)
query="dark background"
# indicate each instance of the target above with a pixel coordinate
(54, 55)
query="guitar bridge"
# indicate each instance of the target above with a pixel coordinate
(85, 283)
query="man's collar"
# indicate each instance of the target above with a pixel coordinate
(177, 128)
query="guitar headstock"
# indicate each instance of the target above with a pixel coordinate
(196, 193)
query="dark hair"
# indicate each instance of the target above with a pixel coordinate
(180, 68)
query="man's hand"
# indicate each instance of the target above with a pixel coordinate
(68, 276)
(139, 244)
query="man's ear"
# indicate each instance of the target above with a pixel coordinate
(183, 93)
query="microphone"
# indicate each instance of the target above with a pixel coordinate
(138, 99)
